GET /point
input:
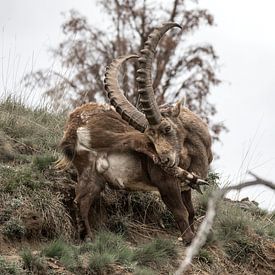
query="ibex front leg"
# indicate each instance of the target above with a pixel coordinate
(169, 188)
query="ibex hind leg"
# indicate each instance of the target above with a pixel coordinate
(88, 188)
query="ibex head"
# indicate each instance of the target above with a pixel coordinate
(159, 124)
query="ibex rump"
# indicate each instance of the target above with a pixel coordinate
(137, 151)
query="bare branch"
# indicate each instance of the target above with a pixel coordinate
(207, 223)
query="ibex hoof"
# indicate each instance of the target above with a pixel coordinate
(202, 182)
(187, 238)
(196, 183)
(197, 188)
(88, 240)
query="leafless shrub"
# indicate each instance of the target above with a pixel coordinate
(86, 49)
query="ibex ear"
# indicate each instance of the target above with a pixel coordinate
(177, 108)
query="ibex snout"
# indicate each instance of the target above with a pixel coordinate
(168, 159)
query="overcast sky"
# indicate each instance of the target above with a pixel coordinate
(243, 38)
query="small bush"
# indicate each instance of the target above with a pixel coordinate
(56, 249)
(232, 222)
(270, 230)
(98, 262)
(31, 262)
(67, 254)
(155, 252)
(7, 268)
(5, 215)
(106, 249)
(240, 250)
(14, 229)
(205, 256)
(109, 248)
(236, 230)
(114, 243)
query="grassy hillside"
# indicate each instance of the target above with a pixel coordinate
(136, 234)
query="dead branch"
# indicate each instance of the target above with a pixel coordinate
(207, 223)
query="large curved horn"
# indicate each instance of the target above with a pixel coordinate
(127, 111)
(144, 79)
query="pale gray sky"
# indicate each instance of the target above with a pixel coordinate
(243, 38)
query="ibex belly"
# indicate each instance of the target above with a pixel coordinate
(125, 171)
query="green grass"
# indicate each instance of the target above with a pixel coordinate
(270, 230)
(156, 252)
(15, 178)
(241, 249)
(55, 219)
(106, 249)
(66, 253)
(7, 268)
(99, 262)
(32, 263)
(33, 134)
(201, 200)
(109, 248)
(35, 128)
(205, 256)
(238, 231)
(28, 141)
(213, 179)
(232, 222)
(43, 162)
(144, 271)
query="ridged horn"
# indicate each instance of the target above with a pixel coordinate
(127, 111)
(144, 78)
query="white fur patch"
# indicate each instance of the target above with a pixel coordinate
(102, 164)
(83, 139)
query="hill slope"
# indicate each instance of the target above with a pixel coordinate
(136, 234)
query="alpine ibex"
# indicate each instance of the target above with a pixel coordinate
(145, 150)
